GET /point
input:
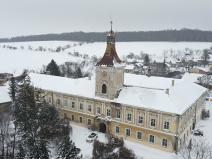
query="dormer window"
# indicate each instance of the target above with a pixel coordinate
(104, 89)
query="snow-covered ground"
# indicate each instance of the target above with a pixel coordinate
(124, 48)
(80, 134)
(25, 57)
(206, 125)
(15, 61)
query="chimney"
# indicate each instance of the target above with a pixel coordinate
(167, 91)
(173, 83)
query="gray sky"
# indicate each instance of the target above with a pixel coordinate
(25, 17)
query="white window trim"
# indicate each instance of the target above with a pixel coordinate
(97, 109)
(119, 129)
(66, 102)
(74, 105)
(82, 106)
(126, 132)
(138, 120)
(154, 139)
(137, 135)
(164, 125)
(79, 119)
(120, 115)
(88, 109)
(131, 117)
(90, 120)
(107, 111)
(162, 143)
(155, 123)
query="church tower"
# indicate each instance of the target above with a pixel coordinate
(109, 71)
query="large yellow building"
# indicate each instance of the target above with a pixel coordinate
(154, 111)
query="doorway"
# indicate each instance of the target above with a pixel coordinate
(102, 127)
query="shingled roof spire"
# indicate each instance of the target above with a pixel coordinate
(110, 52)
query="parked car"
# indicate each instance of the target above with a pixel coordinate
(93, 136)
(198, 132)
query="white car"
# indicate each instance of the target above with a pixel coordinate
(93, 136)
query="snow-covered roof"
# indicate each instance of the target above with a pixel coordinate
(192, 77)
(4, 94)
(205, 69)
(81, 86)
(180, 97)
(139, 91)
(129, 67)
(149, 82)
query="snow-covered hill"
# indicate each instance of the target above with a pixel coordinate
(14, 57)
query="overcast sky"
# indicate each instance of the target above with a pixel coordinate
(25, 17)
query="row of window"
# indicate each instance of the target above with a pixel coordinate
(166, 124)
(89, 108)
(152, 121)
(139, 136)
(80, 119)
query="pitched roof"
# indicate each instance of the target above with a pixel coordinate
(110, 52)
(139, 91)
(109, 56)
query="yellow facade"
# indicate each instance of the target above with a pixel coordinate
(142, 124)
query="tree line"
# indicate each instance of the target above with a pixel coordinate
(163, 35)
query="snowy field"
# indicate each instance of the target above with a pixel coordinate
(14, 61)
(153, 48)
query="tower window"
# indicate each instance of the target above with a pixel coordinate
(104, 88)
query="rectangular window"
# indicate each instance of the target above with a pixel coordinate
(81, 106)
(65, 102)
(80, 119)
(72, 117)
(153, 122)
(118, 114)
(139, 135)
(108, 112)
(151, 138)
(166, 125)
(89, 121)
(164, 143)
(127, 132)
(73, 104)
(98, 111)
(140, 120)
(129, 117)
(117, 129)
(89, 108)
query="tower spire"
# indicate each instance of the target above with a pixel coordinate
(111, 25)
(110, 52)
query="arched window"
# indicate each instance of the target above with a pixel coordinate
(104, 88)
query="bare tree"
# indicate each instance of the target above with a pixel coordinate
(205, 56)
(5, 138)
(197, 149)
